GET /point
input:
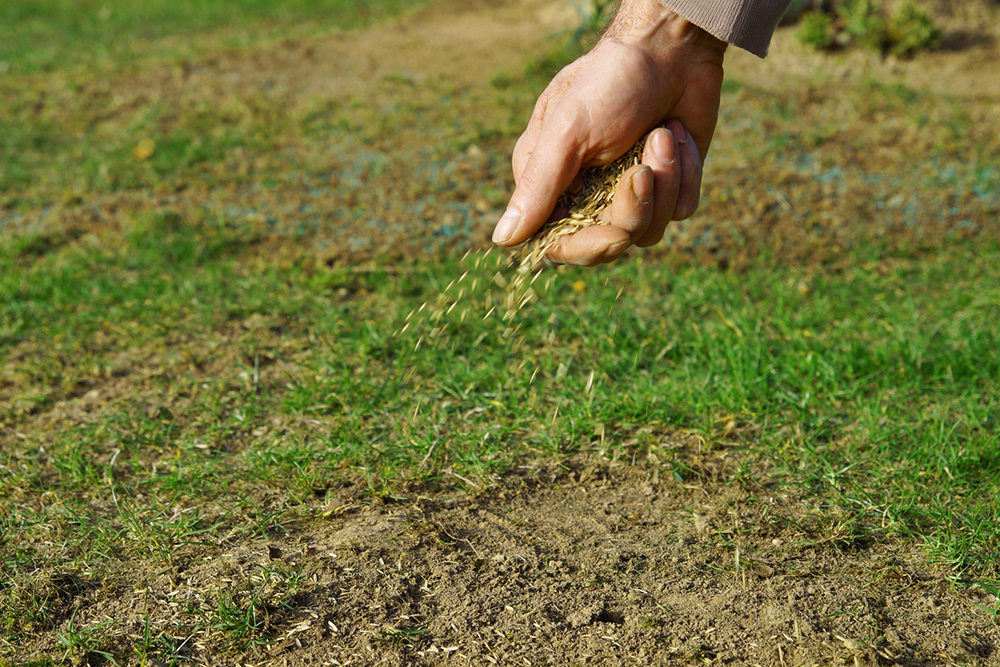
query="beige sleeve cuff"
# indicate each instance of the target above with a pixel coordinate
(747, 24)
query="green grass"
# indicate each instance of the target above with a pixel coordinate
(874, 392)
(50, 35)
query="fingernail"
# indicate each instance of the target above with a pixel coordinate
(508, 223)
(616, 249)
(642, 185)
(663, 146)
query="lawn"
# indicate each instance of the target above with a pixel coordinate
(51, 35)
(199, 354)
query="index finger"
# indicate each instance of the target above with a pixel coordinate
(549, 170)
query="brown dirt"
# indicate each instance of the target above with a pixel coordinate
(587, 562)
(462, 42)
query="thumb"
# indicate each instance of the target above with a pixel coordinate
(550, 169)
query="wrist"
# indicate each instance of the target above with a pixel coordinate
(649, 25)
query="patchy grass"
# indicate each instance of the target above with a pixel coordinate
(193, 357)
(163, 397)
(210, 377)
(47, 36)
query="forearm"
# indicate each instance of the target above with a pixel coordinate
(747, 24)
(663, 32)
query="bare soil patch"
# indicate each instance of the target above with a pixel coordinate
(588, 561)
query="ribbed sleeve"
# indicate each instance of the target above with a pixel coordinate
(747, 24)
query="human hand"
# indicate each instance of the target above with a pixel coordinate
(650, 65)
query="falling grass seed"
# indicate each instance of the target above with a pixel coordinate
(584, 209)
